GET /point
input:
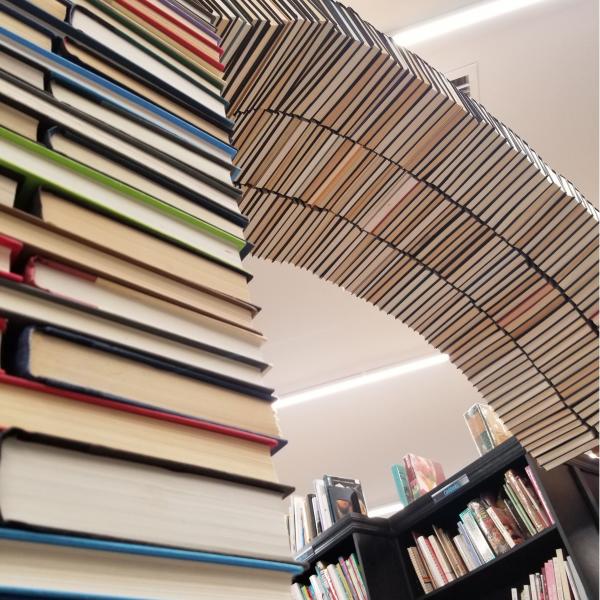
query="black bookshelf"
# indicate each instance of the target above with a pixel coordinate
(380, 545)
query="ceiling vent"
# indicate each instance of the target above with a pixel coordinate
(466, 80)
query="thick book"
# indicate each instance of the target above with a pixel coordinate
(105, 90)
(124, 303)
(66, 566)
(140, 501)
(433, 566)
(88, 419)
(122, 202)
(60, 359)
(37, 306)
(420, 570)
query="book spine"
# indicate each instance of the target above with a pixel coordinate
(532, 511)
(359, 576)
(490, 531)
(336, 583)
(401, 482)
(504, 526)
(459, 542)
(323, 503)
(351, 586)
(472, 551)
(413, 487)
(316, 587)
(456, 562)
(519, 510)
(576, 579)
(539, 496)
(433, 566)
(422, 574)
(476, 536)
(563, 574)
(550, 580)
(345, 583)
(442, 559)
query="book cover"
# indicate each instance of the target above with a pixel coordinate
(423, 474)
(354, 485)
(496, 428)
(478, 429)
(342, 501)
(359, 575)
(351, 585)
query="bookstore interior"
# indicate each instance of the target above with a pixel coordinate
(289, 308)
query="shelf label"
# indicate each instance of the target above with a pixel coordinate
(450, 488)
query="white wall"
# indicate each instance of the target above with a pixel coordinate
(538, 73)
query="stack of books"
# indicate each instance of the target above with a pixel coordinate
(416, 476)
(137, 455)
(557, 580)
(486, 428)
(365, 166)
(340, 581)
(333, 499)
(488, 527)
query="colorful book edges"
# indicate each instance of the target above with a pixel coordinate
(340, 581)
(489, 526)
(556, 580)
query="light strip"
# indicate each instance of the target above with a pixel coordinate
(356, 381)
(386, 510)
(459, 20)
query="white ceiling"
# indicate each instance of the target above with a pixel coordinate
(317, 332)
(538, 71)
(390, 17)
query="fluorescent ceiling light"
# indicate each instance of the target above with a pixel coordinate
(386, 510)
(459, 20)
(355, 381)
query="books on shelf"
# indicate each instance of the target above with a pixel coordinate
(333, 498)
(486, 427)
(416, 476)
(340, 581)
(557, 579)
(488, 527)
(138, 432)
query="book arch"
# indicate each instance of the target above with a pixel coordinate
(362, 164)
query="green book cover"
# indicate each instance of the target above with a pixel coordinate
(34, 180)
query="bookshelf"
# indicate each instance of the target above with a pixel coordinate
(380, 544)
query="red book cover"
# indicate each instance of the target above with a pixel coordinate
(172, 34)
(539, 494)
(14, 248)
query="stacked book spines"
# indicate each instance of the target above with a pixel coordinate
(557, 579)
(132, 377)
(488, 527)
(342, 580)
(392, 184)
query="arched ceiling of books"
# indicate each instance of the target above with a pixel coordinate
(363, 165)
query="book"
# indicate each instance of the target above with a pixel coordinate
(423, 474)
(458, 567)
(352, 484)
(86, 365)
(402, 485)
(431, 561)
(476, 536)
(91, 478)
(491, 532)
(173, 572)
(419, 567)
(120, 302)
(442, 559)
(36, 407)
(461, 547)
(506, 526)
(527, 501)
